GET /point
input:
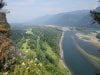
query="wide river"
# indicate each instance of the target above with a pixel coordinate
(77, 63)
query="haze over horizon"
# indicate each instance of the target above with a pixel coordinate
(26, 10)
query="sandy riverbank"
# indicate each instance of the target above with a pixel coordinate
(89, 38)
(62, 55)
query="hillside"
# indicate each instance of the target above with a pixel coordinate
(40, 51)
(8, 50)
(75, 18)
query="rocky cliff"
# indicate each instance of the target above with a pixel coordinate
(8, 50)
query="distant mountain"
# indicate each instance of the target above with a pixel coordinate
(75, 18)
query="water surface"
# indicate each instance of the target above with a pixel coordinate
(77, 63)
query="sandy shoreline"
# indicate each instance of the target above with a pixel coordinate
(62, 55)
(89, 38)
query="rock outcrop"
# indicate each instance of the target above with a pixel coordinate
(8, 50)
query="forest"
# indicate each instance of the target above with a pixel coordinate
(40, 52)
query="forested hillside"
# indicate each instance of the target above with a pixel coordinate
(40, 52)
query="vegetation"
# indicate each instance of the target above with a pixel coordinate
(39, 52)
(98, 36)
(95, 15)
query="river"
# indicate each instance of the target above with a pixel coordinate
(76, 62)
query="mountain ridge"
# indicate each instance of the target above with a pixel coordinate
(74, 18)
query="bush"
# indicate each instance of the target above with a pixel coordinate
(98, 36)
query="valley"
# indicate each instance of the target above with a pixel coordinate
(40, 51)
(55, 50)
(41, 44)
(49, 37)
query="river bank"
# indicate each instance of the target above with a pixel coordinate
(89, 38)
(62, 55)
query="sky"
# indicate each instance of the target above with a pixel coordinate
(26, 10)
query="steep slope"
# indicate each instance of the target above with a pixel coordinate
(8, 50)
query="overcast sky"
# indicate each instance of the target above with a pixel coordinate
(25, 10)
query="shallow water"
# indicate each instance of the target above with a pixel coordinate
(76, 62)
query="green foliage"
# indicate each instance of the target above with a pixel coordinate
(95, 15)
(98, 36)
(40, 51)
